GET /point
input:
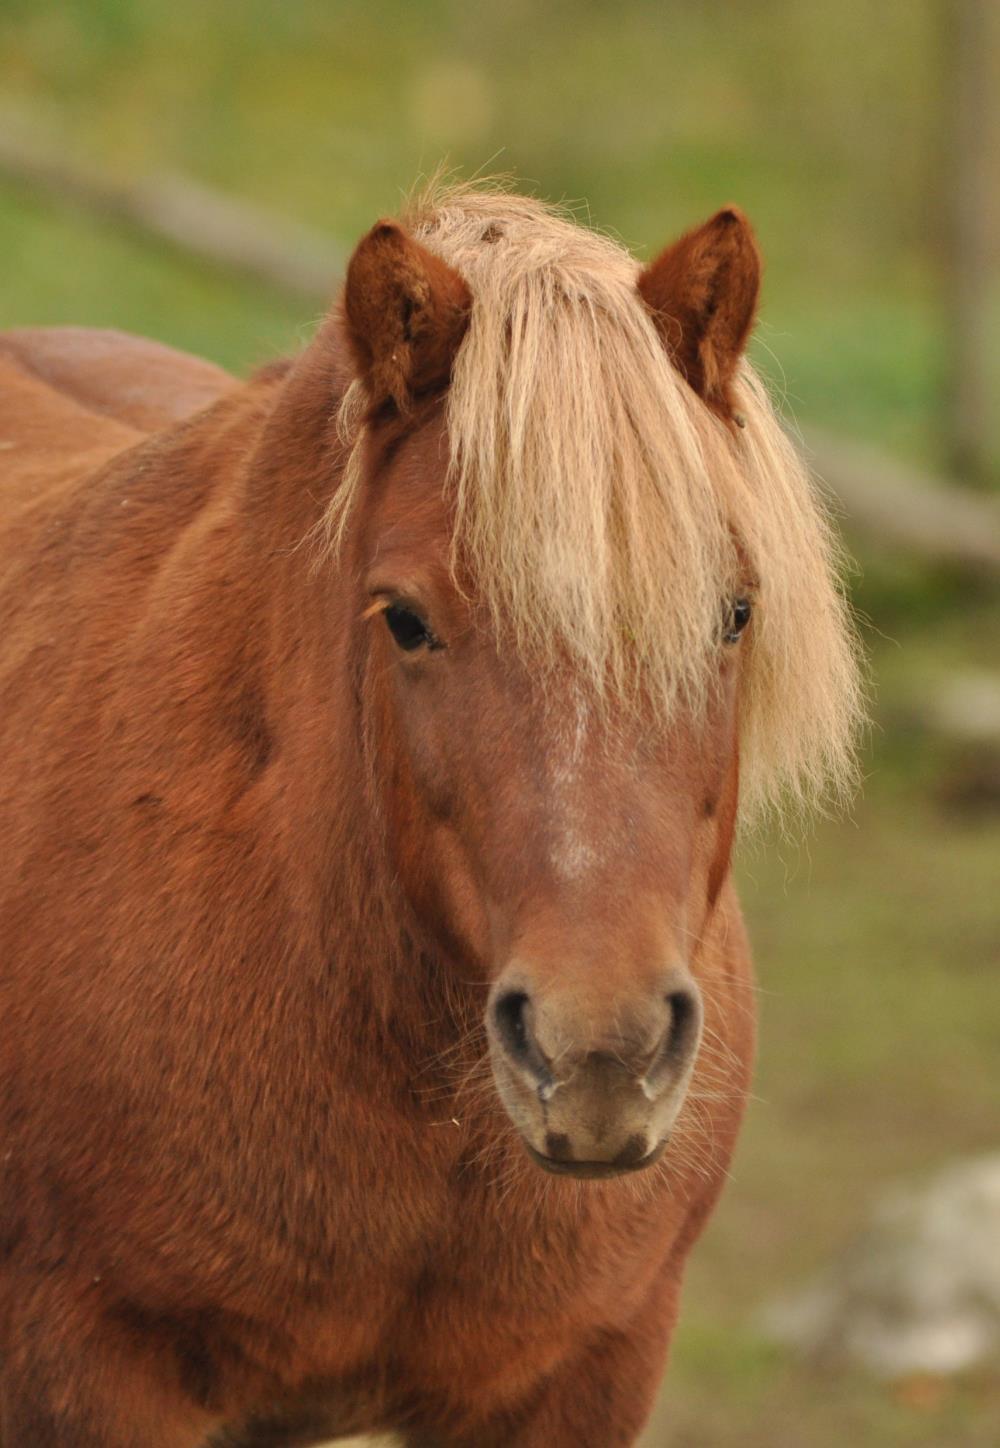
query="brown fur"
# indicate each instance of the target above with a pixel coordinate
(702, 292)
(260, 875)
(407, 312)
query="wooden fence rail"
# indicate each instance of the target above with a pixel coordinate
(182, 213)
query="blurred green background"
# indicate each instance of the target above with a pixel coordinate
(833, 125)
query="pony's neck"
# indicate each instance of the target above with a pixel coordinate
(297, 459)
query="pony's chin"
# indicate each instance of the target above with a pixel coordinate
(594, 1170)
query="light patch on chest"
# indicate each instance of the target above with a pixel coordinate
(576, 849)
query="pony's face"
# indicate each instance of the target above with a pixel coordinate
(565, 852)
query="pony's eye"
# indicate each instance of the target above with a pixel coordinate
(739, 616)
(408, 628)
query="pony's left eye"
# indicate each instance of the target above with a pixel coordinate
(739, 616)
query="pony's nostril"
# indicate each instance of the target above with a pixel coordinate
(685, 1018)
(512, 1020)
(679, 1043)
(508, 1015)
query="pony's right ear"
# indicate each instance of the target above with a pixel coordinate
(407, 311)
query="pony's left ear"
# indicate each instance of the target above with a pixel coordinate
(702, 293)
(407, 311)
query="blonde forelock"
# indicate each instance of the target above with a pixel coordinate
(606, 516)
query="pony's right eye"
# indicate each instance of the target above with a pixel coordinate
(408, 628)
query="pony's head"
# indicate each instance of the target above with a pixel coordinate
(590, 573)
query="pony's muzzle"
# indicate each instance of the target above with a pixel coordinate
(592, 1100)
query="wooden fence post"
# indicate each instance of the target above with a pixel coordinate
(970, 183)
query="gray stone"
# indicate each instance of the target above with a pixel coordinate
(918, 1291)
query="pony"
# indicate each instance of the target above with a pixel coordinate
(377, 1009)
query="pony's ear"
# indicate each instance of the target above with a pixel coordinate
(702, 293)
(407, 311)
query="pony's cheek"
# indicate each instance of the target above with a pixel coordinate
(436, 837)
(433, 769)
(438, 875)
(461, 913)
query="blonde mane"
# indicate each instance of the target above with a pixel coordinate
(607, 516)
